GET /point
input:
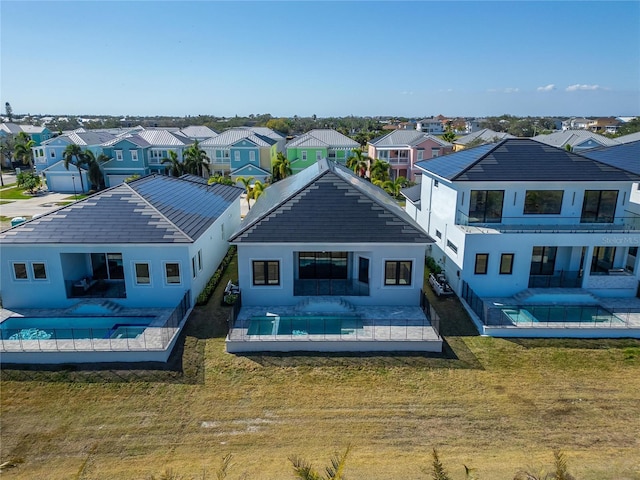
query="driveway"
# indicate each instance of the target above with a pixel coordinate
(38, 205)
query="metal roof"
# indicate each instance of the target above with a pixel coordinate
(486, 135)
(327, 203)
(406, 138)
(625, 156)
(322, 138)
(89, 138)
(164, 138)
(574, 137)
(154, 209)
(233, 135)
(135, 139)
(632, 137)
(522, 160)
(198, 131)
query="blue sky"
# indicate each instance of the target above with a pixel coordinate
(326, 58)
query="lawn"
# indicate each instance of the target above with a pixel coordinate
(493, 404)
(14, 193)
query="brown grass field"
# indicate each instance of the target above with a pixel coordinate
(495, 405)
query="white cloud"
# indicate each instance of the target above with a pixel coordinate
(547, 88)
(511, 90)
(577, 86)
(504, 90)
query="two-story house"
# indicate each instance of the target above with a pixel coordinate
(576, 140)
(51, 151)
(128, 156)
(317, 144)
(161, 142)
(519, 214)
(402, 149)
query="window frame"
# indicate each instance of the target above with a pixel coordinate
(504, 256)
(15, 273)
(486, 204)
(33, 272)
(137, 277)
(166, 274)
(485, 268)
(134, 155)
(541, 209)
(119, 156)
(395, 282)
(264, 265)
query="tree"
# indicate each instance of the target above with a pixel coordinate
(380, 170)
(22, 149)
(257, 189)
(305, 471)
(281, 167)
(29, 180)
(94, 166)
(74, 155)
(282, 125)
(359, 162)
(196, 161)
(246, 182)
(8, 111)
(220, 179)
(449, 135)
(176, 168)
(393, 187)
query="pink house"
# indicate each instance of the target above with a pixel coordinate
(404, 148)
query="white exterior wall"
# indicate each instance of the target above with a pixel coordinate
(439, 207)
(379, 294)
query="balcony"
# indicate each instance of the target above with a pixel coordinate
(547, 224)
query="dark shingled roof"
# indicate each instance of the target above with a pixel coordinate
(412, 193)
(327, 203)
(153, 209)
(522, 160)
(625, 156)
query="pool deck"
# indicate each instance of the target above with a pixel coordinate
(379, 328)
(156, 338)
(625, 323)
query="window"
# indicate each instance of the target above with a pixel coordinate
(119, 155)
(304, 155)
(632, 254)
(20, 271)
(53, 154)
(599, 206)
(142, 274)
(543, 202)
(194, 272)
(172, 273)
(266, 272)
(485, 206)
(318, 155)
(39, 271)
(439, 234)
(134, 155)
(602, 260)
(363, 270)
(436, 183)
(543, 260)
(420, 154)
(452, 246)
(435, 152)
(252, 156)
(199, 260)
(482, 259)
(236, 156)
(397, 272)
(322, 265)
(506, 264)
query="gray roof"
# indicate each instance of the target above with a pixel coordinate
(327, 203)
(625, 156)
(406, 138)
(135, 139)
(154, 209)
(486, 135)
(522, 160)
(631, 137)
(233, 135)
(164, 138)
(322, 138)
(198, 131)
(88, 138)
(412, 193)
(574, 137)
(9, 127)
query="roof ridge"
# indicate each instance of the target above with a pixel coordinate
(152, 206)
(468, 167)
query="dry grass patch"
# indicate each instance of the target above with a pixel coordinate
(497, 405)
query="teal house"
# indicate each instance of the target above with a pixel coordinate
(309, 148)
(129, 156)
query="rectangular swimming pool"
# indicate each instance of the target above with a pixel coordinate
(51, 328)
(303, 325)
(584, 314)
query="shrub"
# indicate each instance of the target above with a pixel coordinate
(213, 282)
(432, 266)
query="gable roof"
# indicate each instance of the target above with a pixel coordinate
(234, 135)
(625, 156)
(631, 137)
(198, 131)
(327, 203)
(89, 138)
(59, 167)
(406, 137)
(154, 209)
(574, 137)
(486, 135)
(521, 160)
(164, 138)
(251, 170)
(412, 193)
(322, 138)
(133, 139)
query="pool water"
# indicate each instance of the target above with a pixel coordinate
(560, 314)
(44, 328)
(303, 325)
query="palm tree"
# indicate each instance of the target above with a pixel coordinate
(380, 170)
(195, 160)
(305, 471)
(393, 187)
(219, 179)
(359, 162)
(73, 155)
(95, 174)
(22, 150)
(176, 168)
(257, 189)
(281, 167)
(246, 182)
